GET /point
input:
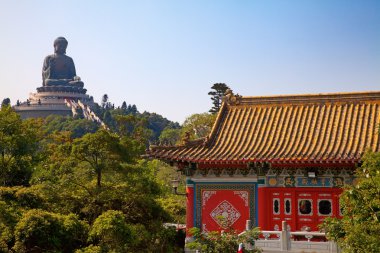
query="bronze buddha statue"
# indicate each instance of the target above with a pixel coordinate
(59, 69)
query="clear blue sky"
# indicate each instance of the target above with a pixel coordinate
(164, 56)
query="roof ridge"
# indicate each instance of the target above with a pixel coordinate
(312, 98)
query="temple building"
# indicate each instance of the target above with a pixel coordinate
(62, 90)
(276, 158)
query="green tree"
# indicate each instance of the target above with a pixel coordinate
(174, 205)
(68, 173)
(157, 124)
(8, 220)
(100, 151)
(217, 93)
(90, 249)
(19, 147)
(170, 136)
(6, 102)
(43, 231)
(108, 119)
(198, 125)
(111, 232)
(124, 106)
(76, 127)
(134, 110)
(359, 229)
(134, 127)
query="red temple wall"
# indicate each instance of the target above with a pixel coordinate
(266, 207)
(189, 207)
(224, 208)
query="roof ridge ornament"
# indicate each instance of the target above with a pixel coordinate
(186, 138)
(231, 99)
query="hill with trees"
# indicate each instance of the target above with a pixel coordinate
(68, 185)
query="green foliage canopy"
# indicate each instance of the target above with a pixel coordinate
(199, 125)
(19, 147)
(111, 231)
(359, 229)
(217, 93)
(45, 231)
(64, 179)
(101, 150)
(76, 127)
(6, 102)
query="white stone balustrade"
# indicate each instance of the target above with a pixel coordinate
(297, 242)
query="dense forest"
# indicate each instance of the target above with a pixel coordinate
(69, 185)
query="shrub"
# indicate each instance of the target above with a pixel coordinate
(112, 232)
(44, 231)
(222, 242)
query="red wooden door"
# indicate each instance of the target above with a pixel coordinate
(313, 207)
(306, 211)
(302, 208)
(283, 206)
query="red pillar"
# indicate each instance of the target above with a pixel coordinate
(262, 219)
(189, 206)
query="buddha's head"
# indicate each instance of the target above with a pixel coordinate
(60, 45)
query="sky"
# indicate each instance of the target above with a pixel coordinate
(164, 55)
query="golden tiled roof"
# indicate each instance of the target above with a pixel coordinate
(317, 128)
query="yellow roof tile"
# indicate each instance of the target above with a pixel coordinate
(312, 128)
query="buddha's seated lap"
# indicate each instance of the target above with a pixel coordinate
(63, 82)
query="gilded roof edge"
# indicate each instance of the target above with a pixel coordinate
(340, 97)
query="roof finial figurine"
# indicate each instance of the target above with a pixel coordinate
(186, 138)
(231, 99)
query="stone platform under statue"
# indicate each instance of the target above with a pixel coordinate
(60, 86)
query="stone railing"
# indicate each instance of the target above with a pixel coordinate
(300, 241)
(291, 242)
(56, 106)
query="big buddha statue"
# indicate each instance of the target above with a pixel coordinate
(58, 71)
(62, 91)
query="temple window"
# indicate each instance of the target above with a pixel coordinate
(288, 209)
(276, 206)
(324, 207)
(305, 206)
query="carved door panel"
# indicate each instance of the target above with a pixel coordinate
(289, 214)
(326, 206)
(282, 209)
(313, 207)
(276, 204)
(306, 211)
